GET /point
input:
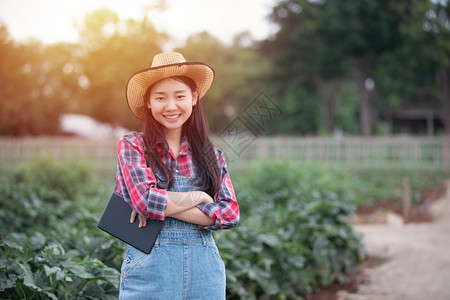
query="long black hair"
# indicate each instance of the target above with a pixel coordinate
(197, 132)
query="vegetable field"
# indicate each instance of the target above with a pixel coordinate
(295, 232)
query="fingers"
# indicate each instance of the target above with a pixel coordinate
(142, 221)
(133, 216)
(206, 198)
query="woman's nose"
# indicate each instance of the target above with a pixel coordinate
(171, 104)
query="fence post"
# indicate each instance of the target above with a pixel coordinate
(406, 199)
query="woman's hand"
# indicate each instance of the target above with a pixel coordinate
(181, 201)
(189, 199)
(142, 220)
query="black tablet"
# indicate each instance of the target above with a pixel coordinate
(115, 220)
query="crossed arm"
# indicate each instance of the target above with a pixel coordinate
(135, 177)
(182, 206)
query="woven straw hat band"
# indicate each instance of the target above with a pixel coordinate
(166, 65)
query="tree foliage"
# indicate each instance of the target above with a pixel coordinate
(240, 74)
(390, 43)
(114, 50)
(34, 86)
(330, 65)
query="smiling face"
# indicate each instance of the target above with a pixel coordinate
(171, 103)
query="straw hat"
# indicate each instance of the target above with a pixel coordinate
(165, 65)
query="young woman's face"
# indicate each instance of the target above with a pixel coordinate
(171, 103)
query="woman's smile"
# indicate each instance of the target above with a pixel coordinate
(172, 116)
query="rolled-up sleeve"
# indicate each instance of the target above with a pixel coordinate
(136, 182)
(225, 209)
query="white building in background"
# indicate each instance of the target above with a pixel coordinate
(87, 127)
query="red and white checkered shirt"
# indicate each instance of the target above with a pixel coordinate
(138, 185)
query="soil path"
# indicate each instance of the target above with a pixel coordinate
(417, 254)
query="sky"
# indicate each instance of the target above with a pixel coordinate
(53, 21)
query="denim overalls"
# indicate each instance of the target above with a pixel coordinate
(184, 263)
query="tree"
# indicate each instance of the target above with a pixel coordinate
(112, 50)
(240, 72)
(306, 64)
(39, 83)
(417, 71)
(437, 27)
(325, 42)
(34, 88)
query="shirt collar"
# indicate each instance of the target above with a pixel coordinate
(185, 147)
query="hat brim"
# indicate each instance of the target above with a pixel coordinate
(137, 85)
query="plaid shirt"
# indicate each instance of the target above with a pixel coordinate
(138, 184)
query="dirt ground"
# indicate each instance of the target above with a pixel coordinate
(414, 258)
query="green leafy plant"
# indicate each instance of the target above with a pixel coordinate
(50, 246)
(38, 267)
(294, 233)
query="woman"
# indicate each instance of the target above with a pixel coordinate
(172, 172)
